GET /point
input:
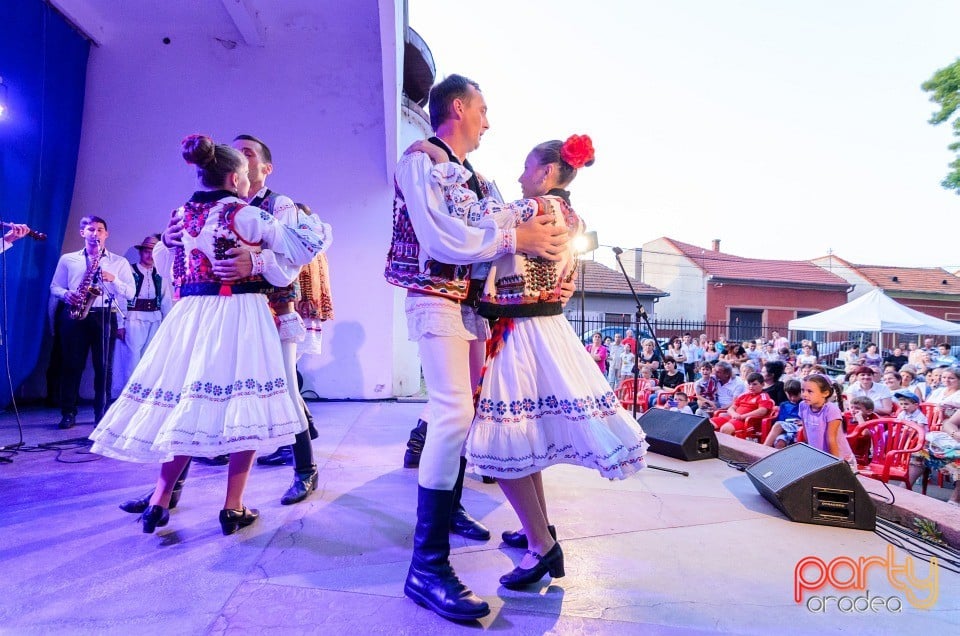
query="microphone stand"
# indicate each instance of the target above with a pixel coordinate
(641, 314)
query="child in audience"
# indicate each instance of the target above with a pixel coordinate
(861, 410)
(706, 389)
(910, 412)
(822, 420)
(753, 403)
(910, 408)
(681, 404)
(627, 360)
(784, 430)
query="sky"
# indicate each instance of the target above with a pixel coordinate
(788, 129)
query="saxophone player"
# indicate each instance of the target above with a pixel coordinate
(88, 284)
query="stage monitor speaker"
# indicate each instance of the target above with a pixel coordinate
(678, 435)
(811, 486)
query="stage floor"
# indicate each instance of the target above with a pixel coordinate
(655, 554)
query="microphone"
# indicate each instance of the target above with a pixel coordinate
(617, 251)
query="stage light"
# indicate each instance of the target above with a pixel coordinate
(585, 243)
(3, 99)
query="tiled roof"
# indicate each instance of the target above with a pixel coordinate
(729, 267)
(931, 280)
(600, 279)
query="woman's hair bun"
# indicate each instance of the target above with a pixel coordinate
(198, 150)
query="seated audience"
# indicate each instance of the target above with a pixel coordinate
(865, 385)
(753, 403)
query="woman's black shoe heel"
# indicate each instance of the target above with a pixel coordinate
(551, 563)
(154, 517)
(233, 520)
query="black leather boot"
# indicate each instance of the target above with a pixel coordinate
(418, 435)
(304, 483)
(431, 581)
(460, 520)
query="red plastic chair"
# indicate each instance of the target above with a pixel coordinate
(933, 414)
(627, 395)
(893, 442)
(859, 444)
(758, 428)
(934, 418)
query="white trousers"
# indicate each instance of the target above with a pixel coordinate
(127, 352)
(290, 366)
(451, 368)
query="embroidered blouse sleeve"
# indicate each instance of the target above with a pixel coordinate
(442, 233)
(463, 203)
(280, 271)
(291, 246)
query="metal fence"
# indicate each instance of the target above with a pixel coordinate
(828, 344)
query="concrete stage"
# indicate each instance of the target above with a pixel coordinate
(656, 554)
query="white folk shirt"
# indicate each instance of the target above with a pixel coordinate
(448, 238)
(148, 292)
(72, 267)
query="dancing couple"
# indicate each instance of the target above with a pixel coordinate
(464, 257)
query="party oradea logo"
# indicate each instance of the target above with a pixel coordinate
(814, 579)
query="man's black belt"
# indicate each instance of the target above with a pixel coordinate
(145, 304)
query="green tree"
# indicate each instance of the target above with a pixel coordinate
(945, 89)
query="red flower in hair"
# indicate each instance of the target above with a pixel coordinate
(577, 150)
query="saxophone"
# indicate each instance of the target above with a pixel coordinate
(87, 289)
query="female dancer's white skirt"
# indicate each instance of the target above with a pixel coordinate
(543, 401)
(212, 382)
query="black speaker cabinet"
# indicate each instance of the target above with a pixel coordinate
(811, 486)
(678, 435)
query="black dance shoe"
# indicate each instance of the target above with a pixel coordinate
(283, 456)
(154, 517)
(219, 460)
(463, 524)
(519, 540)
(67, 421)
(137, 506)
(303, 484)
(233, 520)
(550, 563)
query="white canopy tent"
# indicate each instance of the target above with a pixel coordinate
(875, 312)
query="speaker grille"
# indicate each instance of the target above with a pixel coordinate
(784, 467)
(811, 486)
